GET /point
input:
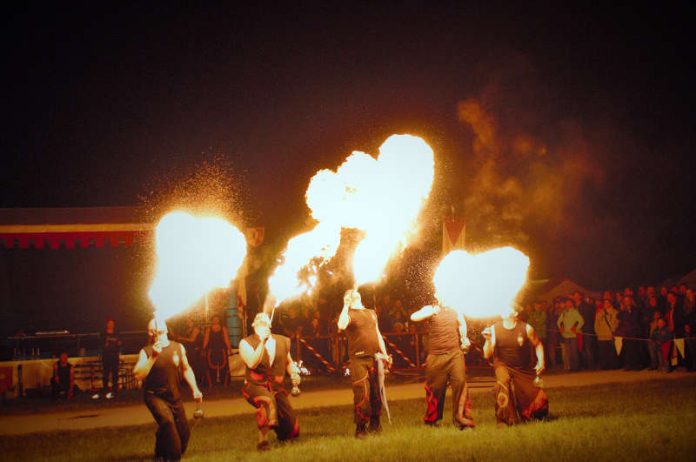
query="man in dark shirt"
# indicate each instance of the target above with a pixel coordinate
(447, 342)
(63, 381)
(267, 359)
(365, 347)
(111, 349)
(160, 367)
(589, 339)
(511, 344)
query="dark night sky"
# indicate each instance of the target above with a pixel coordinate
(101, 101)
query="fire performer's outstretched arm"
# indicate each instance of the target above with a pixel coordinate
(489, 345)
(425, 312)
(189, 376)
(538, 349)
(463, 333)
(344, 317)
(382, 346)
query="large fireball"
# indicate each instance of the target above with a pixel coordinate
(382, 197)
(484, 285)
(194, 256)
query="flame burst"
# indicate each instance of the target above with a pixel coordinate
(194, 256)
(381, 197)
(483, 285)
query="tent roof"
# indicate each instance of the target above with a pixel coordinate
(70, 227)
(689, 279)
(72, 216)
(565, 288)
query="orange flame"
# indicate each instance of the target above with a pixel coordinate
(484, 285)
(381, 197)
(194, 256)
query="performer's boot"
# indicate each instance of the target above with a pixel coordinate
(465, 422)
(375, 426)
(361, 431)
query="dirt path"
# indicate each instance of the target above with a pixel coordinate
(139, 415)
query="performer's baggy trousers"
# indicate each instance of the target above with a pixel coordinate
(440, 370)
(173, 430)
(366, 396)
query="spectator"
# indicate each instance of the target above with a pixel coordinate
(553, 336)
(63, 380)
(676, 322)
(216, 342)
(606, 321)
(570, 324)
(111, 351)
(629, 331)
(193, 342)
(587, 311)
(662, 299)
(537, 319)
(661, 343)
(690, 328)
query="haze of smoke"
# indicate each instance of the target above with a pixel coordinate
(521, 178)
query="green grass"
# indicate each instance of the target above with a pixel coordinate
(654, 420)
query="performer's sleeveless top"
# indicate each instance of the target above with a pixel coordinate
(362, 333)
(444, 332)
(512, 346)
(265, 370)
(165, 376)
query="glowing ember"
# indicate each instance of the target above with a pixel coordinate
(194, 256)
(483, 285)
(381, 197)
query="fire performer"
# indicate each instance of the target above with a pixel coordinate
(509, 342)
(447, 344)
(365, 347)
(160, 366)
(267, 358)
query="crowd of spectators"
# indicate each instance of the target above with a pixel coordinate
(645, 328)
(633, 330)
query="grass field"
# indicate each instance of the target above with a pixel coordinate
(654, 420)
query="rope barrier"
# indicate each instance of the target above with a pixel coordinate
(399, 352)
(317, 355)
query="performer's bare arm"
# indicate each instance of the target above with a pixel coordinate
(424, 313)
(252, 357)
(538, 349)
(189, 376)
(463, 333)
(344, 317)
(145, 362)
(382, 346)
(489, 346)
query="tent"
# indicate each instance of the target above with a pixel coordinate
(689, 279)
(565, 288)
